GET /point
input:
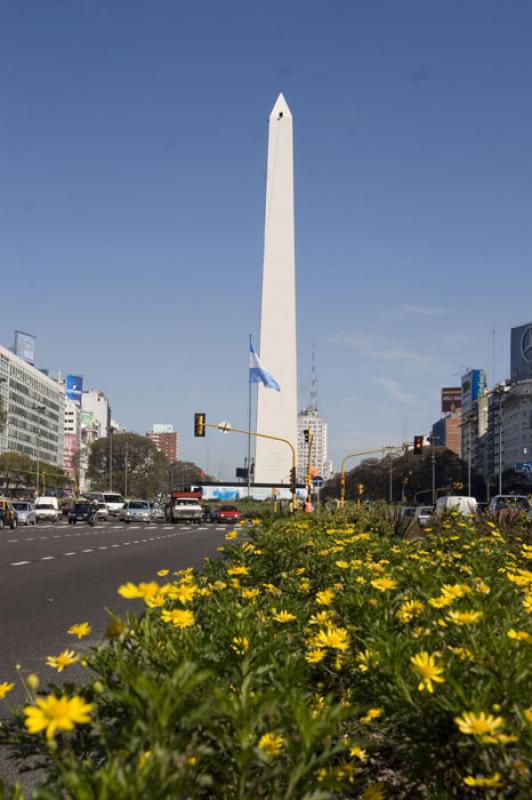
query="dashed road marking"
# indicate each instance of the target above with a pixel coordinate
(88, 550)
(19, 563)
(69, 554)
(47, 558)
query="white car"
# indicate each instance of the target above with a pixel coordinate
(136, 511)
(423, 514)
(459, 504)
(46, 511)
(102, 512)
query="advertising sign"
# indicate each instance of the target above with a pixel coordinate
(451, 399)
(521, 352)
(87, 421)
(524, 466)
(74, 388)
(159, 428)
(25, 346)
(473, 387)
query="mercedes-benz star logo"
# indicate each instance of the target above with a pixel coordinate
(526, 344)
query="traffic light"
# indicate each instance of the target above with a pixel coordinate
(199, 424)
(306, 434)
(418, 445)
(293, 478)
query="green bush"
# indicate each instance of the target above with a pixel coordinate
(319, 658)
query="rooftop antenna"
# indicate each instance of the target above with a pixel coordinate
(313, 405)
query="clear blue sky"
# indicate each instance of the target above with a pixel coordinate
(132, 181)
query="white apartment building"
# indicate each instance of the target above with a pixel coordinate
(517, 424)
(95, 403)
(35, 407)
(309, 419)
(72, 434)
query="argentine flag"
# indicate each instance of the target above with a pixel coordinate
(257, 373)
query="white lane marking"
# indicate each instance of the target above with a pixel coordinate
(47, 558)
(30, 539)
(43, 537)
(89, 550)
(9, 541)
(202, 529)
(183, 528)
(102, 548)
(115, 545)
(220, 529)
(126, 544)
(19, 563)
(69, 554)
(57, 536)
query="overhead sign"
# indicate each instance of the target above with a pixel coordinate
(162, 428)
(473, 386)
(317, 481)
(521, 352)
(25, 346)
(524, 466)
(451, 399)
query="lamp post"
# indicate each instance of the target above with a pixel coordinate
(433, 439)
(39, 408)
(110, 430)
(500, 442)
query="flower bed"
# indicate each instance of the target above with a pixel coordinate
(318, 659)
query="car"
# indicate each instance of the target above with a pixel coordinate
(45, 509)
(25, 512)
(83, 511)
(102, 511)
(157, 512)
(423, 514)
(8, 515)
(408, 512)
(227, 514)
(136, 511)
(512, 503)
(459, 504)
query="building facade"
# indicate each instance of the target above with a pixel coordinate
(72, 435)
(310, 420)
(166, 440)
(447, 433)
(35, 410)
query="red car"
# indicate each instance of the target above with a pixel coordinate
(227, 514)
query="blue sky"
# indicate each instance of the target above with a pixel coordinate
(132, 181)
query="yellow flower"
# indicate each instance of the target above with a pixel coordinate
(461, 652)
(335, 638)
(409, 610)
(427, 669)
(33, 681)
(241, 570)
(184, 592)
(478, 724)
(521, 636)
(231, 535)
(163, 572)
(80, 630)
(342, 564)
(527, 603)
(358, 752)
(283, 616)
(371, 714)
(271, 743)
(493, 780)
(64, 659)
(383, 584)
(240, 645)
(315, 655)
(322, 618)
(5, 688)
(179, 618)
(464, 617)
(527, 713)
(131, 592)
(325, 598)
(52, 713)
(373, 792)
(272, 589)
(365, 660)
(250, 594)
(304, 585)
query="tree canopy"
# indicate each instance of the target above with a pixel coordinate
(138, 468)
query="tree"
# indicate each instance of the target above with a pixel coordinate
(138, 468)
(183, 473)
(19, 471)
(3, 415)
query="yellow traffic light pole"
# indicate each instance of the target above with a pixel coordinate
(354, 455)
(229, 429)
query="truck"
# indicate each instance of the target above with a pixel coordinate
(184, 507)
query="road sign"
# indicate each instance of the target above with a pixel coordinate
(317, 481)
(524, 466)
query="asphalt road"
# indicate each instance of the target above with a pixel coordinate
(52, 576)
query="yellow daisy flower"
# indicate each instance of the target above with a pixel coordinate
(52, 714)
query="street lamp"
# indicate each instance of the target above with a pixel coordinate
(40, 408)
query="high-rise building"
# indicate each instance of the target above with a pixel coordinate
(35, 407)
(310, 420)
(72, 435)
(447, 433)
(166, 441)
(277, 411)
(95, 403)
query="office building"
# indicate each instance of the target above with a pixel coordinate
(72, 435)
(447, 432)
(96, 412)
(35, 408)
(309, 419)
(166, 441)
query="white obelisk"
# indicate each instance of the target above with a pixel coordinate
(277, 411)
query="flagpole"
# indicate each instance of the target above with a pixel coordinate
(249, 427)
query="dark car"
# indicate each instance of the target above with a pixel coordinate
(208, 514)
(227, 514)
(8, 515)
(83, 512)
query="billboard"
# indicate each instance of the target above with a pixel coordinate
(25, 346)
(87, 421)
(74, 388)
(473, 387)
(451, 399)
(160, 428)
(521, 352)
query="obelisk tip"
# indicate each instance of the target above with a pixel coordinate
(280, 109)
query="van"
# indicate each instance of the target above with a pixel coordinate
(461, 505)
(46, 508)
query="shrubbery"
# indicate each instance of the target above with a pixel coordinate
(320, 658)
